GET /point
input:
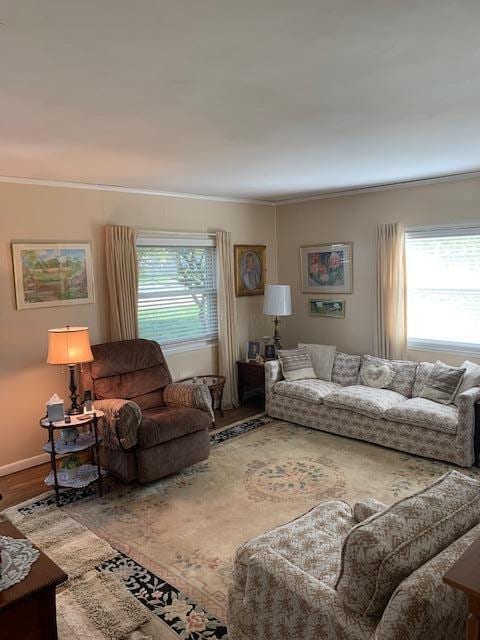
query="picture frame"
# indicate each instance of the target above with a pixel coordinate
(250, 269)
(253, 350)
(327, 268)
(52, 274)
(270, 353)
(327, 307)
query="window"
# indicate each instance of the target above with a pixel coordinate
(444, 289)
(177, 297)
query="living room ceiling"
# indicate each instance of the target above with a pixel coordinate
(263, 99)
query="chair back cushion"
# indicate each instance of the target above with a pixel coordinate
(130, 369)
(380, 552)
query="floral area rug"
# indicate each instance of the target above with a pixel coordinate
(177, 537)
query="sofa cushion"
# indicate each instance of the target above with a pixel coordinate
(365, 400)
(167, 423)
(367, 508)
(380, 552)
(322, 357)
(296, 364)
(402, 381)
(309, 390)
(425, 413)
(312, 542)
(424, 370)
(345, 369)
(442, 383)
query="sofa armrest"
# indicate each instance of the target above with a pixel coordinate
(367, 508)
(119, 426)
(273, 373)
(466, 418)
(194, 396)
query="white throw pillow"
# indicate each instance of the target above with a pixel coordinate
(322, 357)
(376, 375)
(471, 378)
(296, 364)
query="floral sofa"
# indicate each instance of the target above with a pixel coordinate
(367, 573)
(395, 417)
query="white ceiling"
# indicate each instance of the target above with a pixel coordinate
(264, 99)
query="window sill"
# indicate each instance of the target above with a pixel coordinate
(194, 345)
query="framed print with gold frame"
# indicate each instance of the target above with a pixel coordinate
(249, 269)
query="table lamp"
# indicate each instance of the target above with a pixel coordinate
(277, 302)
(70, 346)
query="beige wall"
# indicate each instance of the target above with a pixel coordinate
(354, 218)
(33, 213)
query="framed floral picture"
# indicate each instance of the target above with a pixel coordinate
(52, 274)
(327, 268)
(249, 269)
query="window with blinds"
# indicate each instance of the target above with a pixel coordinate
(444, 289)
(177, 293)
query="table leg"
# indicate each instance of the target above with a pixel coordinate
(97, 455)
(53, 462)
(47, 614)
(221, 402)
(473, 620)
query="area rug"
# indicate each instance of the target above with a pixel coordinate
(183, 531)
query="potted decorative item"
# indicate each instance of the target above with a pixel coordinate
(70, 466)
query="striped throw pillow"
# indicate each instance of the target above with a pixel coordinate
(442, 383)
(296, 364)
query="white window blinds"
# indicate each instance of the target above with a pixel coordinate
(177, 297)
(444, 289)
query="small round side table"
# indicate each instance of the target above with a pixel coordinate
(215, 385)
(87, 473)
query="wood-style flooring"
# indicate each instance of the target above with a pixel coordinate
(29, 483)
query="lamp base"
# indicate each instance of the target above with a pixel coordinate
(276, 335)
(75, 408)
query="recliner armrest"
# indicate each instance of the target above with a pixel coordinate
(119, 426)
(194, 396)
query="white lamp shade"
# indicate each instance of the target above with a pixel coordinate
(277, 300)
(69, 345)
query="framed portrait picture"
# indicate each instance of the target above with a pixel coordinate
(327, 308)
(249, 269)
(52, 274)
(253, 350)
(327, 268)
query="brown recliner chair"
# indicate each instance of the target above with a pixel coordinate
(152, 427)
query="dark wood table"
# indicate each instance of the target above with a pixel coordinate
(250, 376)
(465, 575)
(27, 609)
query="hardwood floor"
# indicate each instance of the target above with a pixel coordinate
(27, 484)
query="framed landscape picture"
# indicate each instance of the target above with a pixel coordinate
(52, 274)
(327, 308)
(249, 269)
(327, 268)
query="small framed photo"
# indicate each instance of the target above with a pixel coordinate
(249, 269)
(253, 350)
(327, 308)
(270, 352)
(52, 274)
(327, 268)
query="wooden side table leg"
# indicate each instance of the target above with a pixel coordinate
(97, 455)
(47, 612)
(473, 620)
(53, 462)
(220, 401)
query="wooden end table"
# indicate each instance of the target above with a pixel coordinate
(465, 576)
(250, 375)
(55, 447)
(28, 609)
(215, 384)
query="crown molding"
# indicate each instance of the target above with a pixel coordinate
(417, 182)
(146, 192)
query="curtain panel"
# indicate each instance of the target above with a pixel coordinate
(227, 334)
(122, 281)
(391, 321)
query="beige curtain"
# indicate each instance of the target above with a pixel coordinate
(122, 281)
(227, 334)
(391, 325)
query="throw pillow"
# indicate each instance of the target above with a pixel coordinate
(471, 378)
(442, 383)
(296, 364)
(376, 374)
(345, 369)
(404, 374)
(322, 357)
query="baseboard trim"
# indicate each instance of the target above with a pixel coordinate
(27, 463)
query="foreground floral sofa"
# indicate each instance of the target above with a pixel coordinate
(397, 417)
(367, 573)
